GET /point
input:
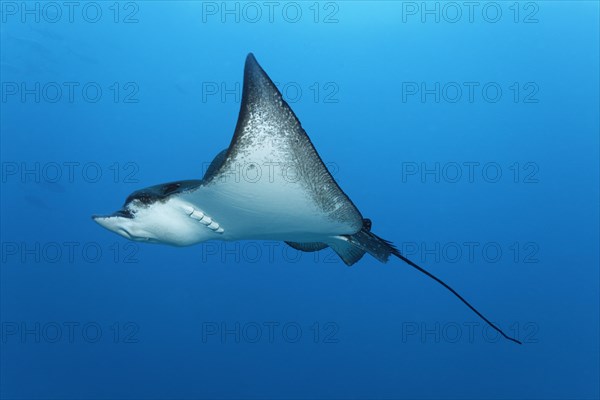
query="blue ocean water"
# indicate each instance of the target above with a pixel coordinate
(466, 131)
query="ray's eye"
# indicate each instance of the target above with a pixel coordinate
(144, 198)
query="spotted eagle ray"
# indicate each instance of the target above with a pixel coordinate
(305, 208)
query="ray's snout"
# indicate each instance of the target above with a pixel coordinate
(104, 220)
(115, 223)
(122, 213)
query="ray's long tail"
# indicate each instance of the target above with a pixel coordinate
(382, 249)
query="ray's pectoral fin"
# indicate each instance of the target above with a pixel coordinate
(269, 137)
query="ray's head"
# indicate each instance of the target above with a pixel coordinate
(151, 215)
